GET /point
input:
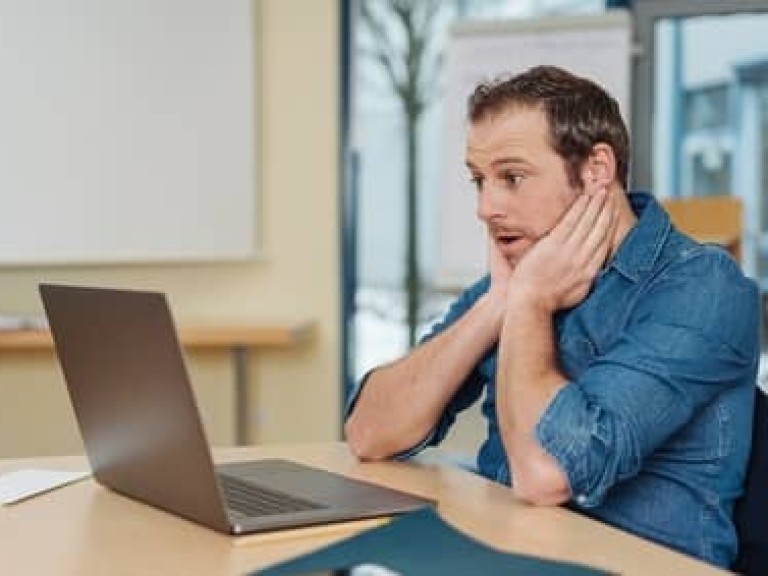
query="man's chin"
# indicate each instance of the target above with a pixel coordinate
(512, 260)
(513, 252)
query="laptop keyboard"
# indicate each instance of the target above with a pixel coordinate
(252, 500)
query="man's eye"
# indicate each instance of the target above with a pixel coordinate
(477, 182)
(513, 180)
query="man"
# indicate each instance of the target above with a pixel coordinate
(618, 356)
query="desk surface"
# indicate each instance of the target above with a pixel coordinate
(268, 335)
(83, 529)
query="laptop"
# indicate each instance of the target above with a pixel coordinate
(137, 414)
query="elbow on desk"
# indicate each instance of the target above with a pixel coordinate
(537, 496)
(377, 439)
(542, 487)
(362, 442)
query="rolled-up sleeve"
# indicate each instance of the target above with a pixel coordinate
(594, 447)
(690, 337)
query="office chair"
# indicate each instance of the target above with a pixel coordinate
(712, 219)
(751, 513)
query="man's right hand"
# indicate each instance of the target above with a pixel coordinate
(402, 402)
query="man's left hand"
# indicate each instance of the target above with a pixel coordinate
(558, 271)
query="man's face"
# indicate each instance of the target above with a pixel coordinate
(522, 185)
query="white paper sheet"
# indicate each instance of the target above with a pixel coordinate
(21, 484)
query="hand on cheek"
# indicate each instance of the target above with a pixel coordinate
(559, 270)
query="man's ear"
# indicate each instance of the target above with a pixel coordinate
(600, 167)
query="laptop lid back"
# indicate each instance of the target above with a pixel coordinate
(130, 391)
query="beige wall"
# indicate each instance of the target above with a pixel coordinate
(295, 396)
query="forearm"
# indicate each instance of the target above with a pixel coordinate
(402, 402)
(527, 380)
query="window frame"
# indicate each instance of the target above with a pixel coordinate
(645, 15)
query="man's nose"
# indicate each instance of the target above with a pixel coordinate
(489, 204)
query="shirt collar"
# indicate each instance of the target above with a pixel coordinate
(641, 248)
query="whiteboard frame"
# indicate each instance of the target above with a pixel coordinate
(179, 185)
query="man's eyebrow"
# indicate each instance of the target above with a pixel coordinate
(510, 160)
(500, 162)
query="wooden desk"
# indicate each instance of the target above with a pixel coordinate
(84, 530)
(239, 340)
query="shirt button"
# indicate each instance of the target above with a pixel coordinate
(581, 499)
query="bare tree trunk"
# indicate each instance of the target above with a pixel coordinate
(412, 279)
(408, 68)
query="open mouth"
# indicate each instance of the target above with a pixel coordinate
(507, 240)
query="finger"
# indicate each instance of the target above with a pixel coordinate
(498, 267)
(600, 229)
(595, 265)
(593, 185)
(598, 244)
(595, 208)
(570, 219)
(598, 259)
(493, 252)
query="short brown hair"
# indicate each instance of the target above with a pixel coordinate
(579, 112)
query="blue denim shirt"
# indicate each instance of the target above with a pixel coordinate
(653, 428)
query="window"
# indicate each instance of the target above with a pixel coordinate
(379, 328)
(700, 120)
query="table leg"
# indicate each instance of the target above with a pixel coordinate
(240, 366)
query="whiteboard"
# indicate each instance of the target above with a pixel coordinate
(597, 47)
(127, 131)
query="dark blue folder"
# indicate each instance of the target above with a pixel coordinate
(421, 543)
